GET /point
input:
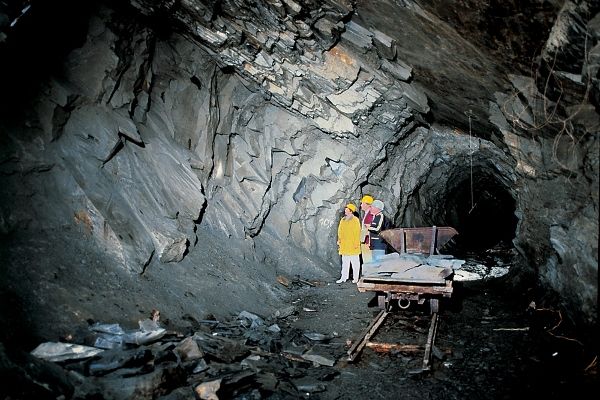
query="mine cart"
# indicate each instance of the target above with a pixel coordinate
(416, 273)
(426, 240)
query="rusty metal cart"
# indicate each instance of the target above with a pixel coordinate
(415, 274)
(423, 240)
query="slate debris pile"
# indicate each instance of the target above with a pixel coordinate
(246, 357)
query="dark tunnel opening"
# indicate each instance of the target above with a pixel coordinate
(482, 210)
(36, 46)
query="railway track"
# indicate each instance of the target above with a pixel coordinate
(367, 336)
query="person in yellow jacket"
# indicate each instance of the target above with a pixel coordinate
(349, 244)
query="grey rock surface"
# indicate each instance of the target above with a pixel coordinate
(188, 167)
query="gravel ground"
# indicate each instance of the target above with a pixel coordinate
(489, 345)
(492, 342)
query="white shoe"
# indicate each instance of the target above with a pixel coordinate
(354, 281)
(340, 281)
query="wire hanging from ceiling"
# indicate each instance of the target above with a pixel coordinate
(471, 116)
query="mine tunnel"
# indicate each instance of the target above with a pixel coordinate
(486, 222)
(175, 174)
(482, 210)
(474, 194)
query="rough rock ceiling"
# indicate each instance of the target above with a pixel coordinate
(333, 61)
(460, 53)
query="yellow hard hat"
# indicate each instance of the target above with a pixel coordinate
(367, 199)
(352, 207)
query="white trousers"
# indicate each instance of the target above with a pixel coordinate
(355, 261)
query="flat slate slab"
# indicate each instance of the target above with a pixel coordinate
(411, 268)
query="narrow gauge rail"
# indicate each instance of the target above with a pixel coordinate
(365, 340)
(408, 277)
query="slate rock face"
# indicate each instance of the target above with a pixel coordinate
(109, 155)
(255, 122)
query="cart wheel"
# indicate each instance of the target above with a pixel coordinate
(381, 303)
(434, 305)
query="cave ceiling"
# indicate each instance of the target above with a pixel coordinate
(335, 60)
(458, 53)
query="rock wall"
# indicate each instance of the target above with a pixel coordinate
(557, 191)
(550, 123)
(249, 128)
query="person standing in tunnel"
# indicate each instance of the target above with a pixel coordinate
(349, 244)
(365, 206)
(376, 243)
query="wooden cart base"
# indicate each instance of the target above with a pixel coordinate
(403, 293)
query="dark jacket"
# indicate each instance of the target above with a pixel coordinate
(376, 242)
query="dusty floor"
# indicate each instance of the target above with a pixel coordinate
(491, 343)
(488, 347)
